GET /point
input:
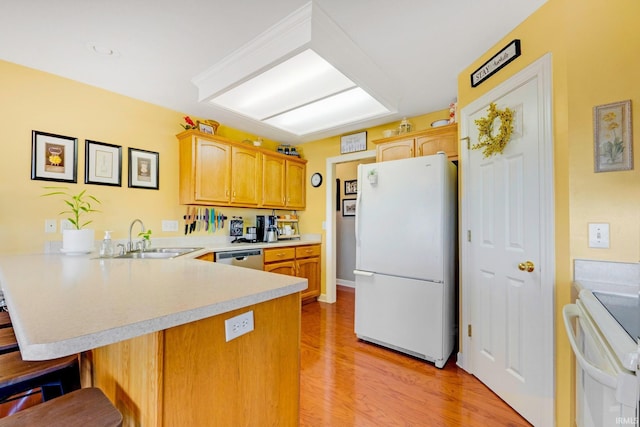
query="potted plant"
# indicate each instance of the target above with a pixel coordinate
(78, 239)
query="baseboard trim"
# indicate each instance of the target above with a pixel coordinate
(347, 283)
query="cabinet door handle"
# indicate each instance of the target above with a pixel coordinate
(308, 251)
(411, 152)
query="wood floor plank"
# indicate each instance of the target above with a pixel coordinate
(347, 382)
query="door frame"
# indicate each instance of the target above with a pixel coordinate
(330, 220)
(542, 70)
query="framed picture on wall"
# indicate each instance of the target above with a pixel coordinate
(349, 207)
(612, 139)
(102, 163)
(54, 157)
(351, 187)
(143, 169)
(354, 142)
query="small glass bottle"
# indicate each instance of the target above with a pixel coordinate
(405, 126)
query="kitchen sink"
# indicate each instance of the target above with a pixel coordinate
(158, 253)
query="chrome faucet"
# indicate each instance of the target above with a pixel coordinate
(130, 245)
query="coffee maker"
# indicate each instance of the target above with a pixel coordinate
(263, 222)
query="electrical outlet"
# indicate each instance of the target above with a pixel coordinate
(239, 325)
(65, 225)
(49, 225)
(168, 225)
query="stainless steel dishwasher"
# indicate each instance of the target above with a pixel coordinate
(247, 258)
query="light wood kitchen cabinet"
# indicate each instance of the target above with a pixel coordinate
(419, 143)
(189, 375)
(205, 171)
(246, 176)
(301, 261)
(206, 257)
(284, 267)
(273, 181)
(218, 171)
(395, 150)
(295, 184)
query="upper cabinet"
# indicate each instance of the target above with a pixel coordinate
(295, 184)
(419, 143)
(246, 176)
(197, 155)
(273, 181)
(221, 172)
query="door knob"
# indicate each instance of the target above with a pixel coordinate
(526, 266)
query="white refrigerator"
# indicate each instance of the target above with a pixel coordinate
(406, 222)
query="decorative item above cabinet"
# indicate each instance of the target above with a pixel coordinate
(221, 172)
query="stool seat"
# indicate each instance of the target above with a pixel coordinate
(8, 341)
(17, 375)
(5, 320)
(80, 408)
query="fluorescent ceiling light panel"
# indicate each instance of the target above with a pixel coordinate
(346, 107)
(300, 80)
(289, 75)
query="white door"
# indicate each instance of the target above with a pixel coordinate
(507, 269)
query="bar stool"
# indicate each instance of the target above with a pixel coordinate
(55, 377)
(8, 341)
(5, 320)
(80, 408)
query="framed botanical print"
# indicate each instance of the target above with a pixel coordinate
(144, 169)
(54, 157)
(102, 163)
(612, 139)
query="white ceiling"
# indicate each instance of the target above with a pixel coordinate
(422, 45)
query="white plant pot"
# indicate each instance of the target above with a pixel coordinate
(75, 242)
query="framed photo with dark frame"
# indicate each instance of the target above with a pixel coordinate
(351, 187)
(102, 163)
(54, 157)
(348, 207)
(612, 137)
(144, 169)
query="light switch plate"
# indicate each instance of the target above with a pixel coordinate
(598, 235)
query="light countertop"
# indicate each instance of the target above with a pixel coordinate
(62, 305)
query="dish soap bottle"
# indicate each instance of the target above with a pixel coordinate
(106, 249)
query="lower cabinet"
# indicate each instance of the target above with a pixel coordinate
(300, 261)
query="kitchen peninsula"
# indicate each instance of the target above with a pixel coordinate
(156, 331)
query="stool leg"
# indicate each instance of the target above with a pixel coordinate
(70, 378)
(51, 391)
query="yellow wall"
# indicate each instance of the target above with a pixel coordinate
(593, 45)
(33, 100)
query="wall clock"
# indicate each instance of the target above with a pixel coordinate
(316, 179)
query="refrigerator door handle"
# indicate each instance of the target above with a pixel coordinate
(363, 273)
(358, 198)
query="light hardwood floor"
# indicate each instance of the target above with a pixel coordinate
(346, 382)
